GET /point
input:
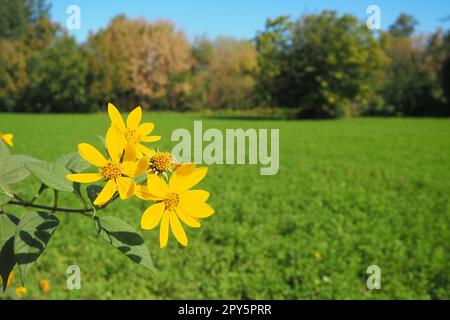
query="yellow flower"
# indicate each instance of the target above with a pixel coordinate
(174, 202)
(161, 162)
(44, 285)
(21, 292)
(7, 138)
(117, 171)
(318, 255)
(133, 133)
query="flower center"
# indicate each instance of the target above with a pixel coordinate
(111, 170)
(161, 162)
(132, 136)
(171, 201)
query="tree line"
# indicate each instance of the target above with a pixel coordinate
(319, 65)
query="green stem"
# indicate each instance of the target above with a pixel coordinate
(38, 194)
(55, 208)
(55, 200)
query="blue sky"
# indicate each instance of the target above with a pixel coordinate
(241, 19)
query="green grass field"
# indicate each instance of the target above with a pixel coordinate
(359, 192)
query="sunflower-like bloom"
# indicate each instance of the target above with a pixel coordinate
(7, 138)
(175, 202)
(118, 172)
(133, 133)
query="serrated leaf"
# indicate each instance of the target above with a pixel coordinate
(73, 162)
(93, 191)
(53, 175)
(32, 236)
(123, 237)
(8, 225)
(15, 171)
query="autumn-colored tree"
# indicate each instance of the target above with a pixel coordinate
(227, 74)
(135, 60)
(13, 74)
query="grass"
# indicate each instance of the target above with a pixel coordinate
(354, 192)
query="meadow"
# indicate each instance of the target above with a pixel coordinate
(349, 193)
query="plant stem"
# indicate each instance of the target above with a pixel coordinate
(55, 200)
(54, 208)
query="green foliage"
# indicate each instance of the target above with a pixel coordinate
(404, 26)
(8, 225)
(124, 238)
(328, 65)
(51, 174)
(31, 238)
(58, 79)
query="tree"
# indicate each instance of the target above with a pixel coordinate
(57, 79)
(17, 15)
(271, 45)
(404, 26)
(13, 74)
(225, 76)
(135, 61)
(327, 65)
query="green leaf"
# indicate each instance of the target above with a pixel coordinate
(15, 171)
(123, 237)
(93, 191)
(73, 162)
(32, 236)
(4, 156)
(5, 196)
(53, 175)
(8, 225)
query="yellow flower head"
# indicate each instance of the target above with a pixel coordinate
(119, 170)
(174, 202)
(21, 292)
(161, 162)
(133, 133)
(44, 285)
(7, 138)
(318, 255)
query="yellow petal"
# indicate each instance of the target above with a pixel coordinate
(177, 229)
(197, 210)
(179, 183)
(91, 155)
(8, 137)
(164, 230)
(84, 177)
(116, 118)
(157, 186)
(130, 152)
(185, 168)
(186, 218)
(126, 187)
(145, 128)
(135, 168)
(142, 165)
(134, 118)
(107, 193)
(114, 144)
(147, 151)
(194, 196)
(151, 139)
(152, 216)
(141, 191)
